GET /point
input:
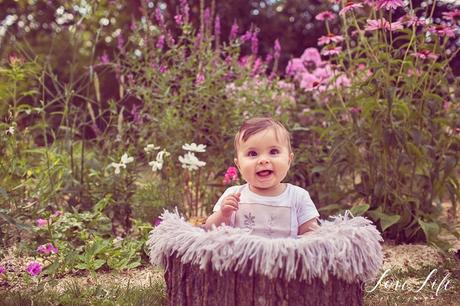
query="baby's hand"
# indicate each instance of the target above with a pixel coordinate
(230, 204)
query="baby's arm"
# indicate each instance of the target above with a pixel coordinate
(224, 214)
(308, 226)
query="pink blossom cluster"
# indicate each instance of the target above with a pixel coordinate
(231, 175)
(34, 268)
(47, 249)
(40, 222)
(312, 73)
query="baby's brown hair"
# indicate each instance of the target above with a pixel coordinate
(255, 125)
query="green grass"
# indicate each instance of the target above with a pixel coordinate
(77, 294)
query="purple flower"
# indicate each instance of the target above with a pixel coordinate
(350, 6)
(247, 36)
(199, 79)
(163, 69)
(34, 268)
(157, 221)
(179, 19)
(389, 4)
(104, 58)
(47, 249)
(233, 31)
(254, 43)
(326, 15)
(58, 213)
(207, 17)
(277, 49)
(256, 68)
(2, 270)
(268, 58)
(120, 42)
(137, 115)
(41, 222)
(217, 26)
(160, 42)
(330, 38)
(185, 9)
(159, 17)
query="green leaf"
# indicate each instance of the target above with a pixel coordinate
(431, 230)
(388, 220)
(358, 210)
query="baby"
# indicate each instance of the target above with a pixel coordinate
(265, 205)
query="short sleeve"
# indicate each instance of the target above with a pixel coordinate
(306, 209)
(227, 192)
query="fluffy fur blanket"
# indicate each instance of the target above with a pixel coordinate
(346, 247)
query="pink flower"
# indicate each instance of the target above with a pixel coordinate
(179, 19)
(104, 58)
(2, 269)
(355, 110)
(199, 79)
(312, 55)
(414, 72)
(410, 20)
(34, 268)
(310, 82)
(157, 221)
(350, 6)
(389, 4)
(329, 38)
(331, 51)
(295, 66)
(425, 54)
(375, 24)
(247, 36)
(57, 213)
(277, 49)
(254, 43)
(451, 16)
(326, 15)
(160, 42)
(41, 222)
(233, 31)
(231, 175)
(47, 249)
(217, 26)
(442, 30)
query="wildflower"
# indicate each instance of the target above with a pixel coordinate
(331, 51)
(104, 59)
(193, 147)
(414, 72)
(191, 162)
(2, 270)
(117, 167)
(150, 148)
(41, 222)
(179, 19)
(452, 15)
(326, 15)
(160, 42)
(157, 164)
(185, 9)
(355, 110)
(125, 159)
(277, 49)
(207, 18)
(10, 130)
(157, 222)
(389, 4)
(254, 43)
(217, 26)
(442, 30)
(311, 57)
(330, 38)
(120, 42)
(233, 31)
(410, 20)
(159, 17)
(57, 213)
(163, 69)
(47, 249)
(15, 60)
(34, 268)
(231, 175)
(295, 67)
(425, 54)
(309, 81)
(199, 79)
(350, 6)
(247, 36)
(375, 24)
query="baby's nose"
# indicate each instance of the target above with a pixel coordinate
(263, 160)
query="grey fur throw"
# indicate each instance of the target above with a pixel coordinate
(347, 247)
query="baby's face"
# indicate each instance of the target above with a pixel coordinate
(264, 161)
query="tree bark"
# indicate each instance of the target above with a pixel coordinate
(188, 285)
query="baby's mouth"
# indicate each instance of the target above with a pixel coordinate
(264, 173)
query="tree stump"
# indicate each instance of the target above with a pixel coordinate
(188, 285)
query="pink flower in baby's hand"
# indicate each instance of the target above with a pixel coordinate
(34, 268)
(231, 175)
(41, 222)
(47, 249)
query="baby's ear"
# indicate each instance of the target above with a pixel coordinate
(235, 160)
(291, 158)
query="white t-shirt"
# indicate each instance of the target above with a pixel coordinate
(271, 216)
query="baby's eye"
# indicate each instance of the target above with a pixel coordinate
(274, 151)
(252, 153)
